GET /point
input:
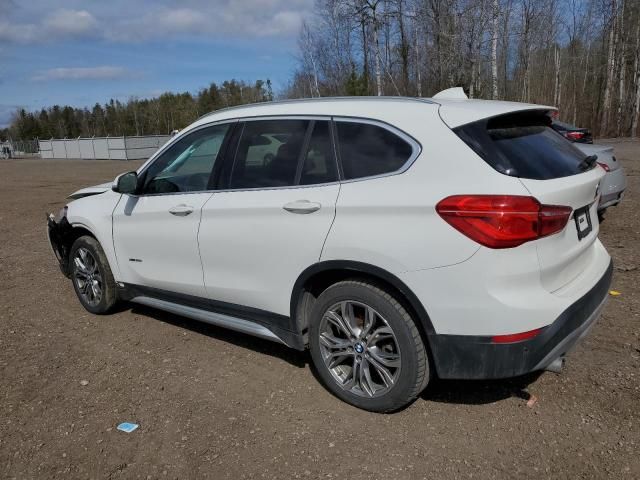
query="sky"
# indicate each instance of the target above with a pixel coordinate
(74, 52)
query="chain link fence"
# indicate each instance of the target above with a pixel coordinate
(19, 149)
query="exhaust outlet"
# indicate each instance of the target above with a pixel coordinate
(556, 365)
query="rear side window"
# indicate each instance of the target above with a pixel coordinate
(367, 150)
(523, 145)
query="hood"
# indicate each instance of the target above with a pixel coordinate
(88, 191)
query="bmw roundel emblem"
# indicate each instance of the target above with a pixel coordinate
(358, 348)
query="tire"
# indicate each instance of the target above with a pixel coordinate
(379, 391)
(89, 266)
(601, 216)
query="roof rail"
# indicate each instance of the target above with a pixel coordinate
(318, 100)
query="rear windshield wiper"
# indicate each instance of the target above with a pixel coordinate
(587, 163)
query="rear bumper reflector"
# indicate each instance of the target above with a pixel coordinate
(516, 337)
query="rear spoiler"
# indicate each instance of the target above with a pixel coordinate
(456, 109)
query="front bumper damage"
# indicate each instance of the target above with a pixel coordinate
(59, 232)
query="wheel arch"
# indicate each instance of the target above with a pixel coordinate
(316, 278)
(62, 238)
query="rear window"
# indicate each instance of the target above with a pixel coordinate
(523, 145)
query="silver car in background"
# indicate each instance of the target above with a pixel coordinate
(614, 182)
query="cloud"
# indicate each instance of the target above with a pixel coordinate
(104, 72)
(61, 24)
(125, 21)
(225, 19)
(11, 33)
(70, 23)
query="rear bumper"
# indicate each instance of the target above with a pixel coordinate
(612, 188)
(476, 357)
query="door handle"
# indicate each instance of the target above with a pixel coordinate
(181, 210)
(302, 206)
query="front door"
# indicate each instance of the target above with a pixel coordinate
(155, 232)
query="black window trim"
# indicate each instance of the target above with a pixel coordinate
(232, 139)
(304, 151)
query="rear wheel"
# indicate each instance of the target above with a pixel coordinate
(91, 275)
(366, 348)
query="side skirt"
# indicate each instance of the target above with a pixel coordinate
(234, 317)
(213, 318)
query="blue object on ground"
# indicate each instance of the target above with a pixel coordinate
(127, 427)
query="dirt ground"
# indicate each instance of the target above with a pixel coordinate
(212, 403)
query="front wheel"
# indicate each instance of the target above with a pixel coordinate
(366, 347)
(91, 276)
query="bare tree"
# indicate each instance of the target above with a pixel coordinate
(636, 74)
(495, 13)
(580, 55)
(307, 47)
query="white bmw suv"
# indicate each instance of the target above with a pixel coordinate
(398, 239)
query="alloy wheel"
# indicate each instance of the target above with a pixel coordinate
(359, 348)
(87, 277)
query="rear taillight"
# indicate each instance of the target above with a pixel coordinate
(604, 166)
(575, 136)
(502, 221)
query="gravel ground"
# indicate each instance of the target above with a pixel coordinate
(212, 403)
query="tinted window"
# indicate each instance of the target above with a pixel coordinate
(367, 150)
(268, 153)
(522, 145)
(319, 165)
(186, 165)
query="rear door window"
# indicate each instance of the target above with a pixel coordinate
(367, 150)
(284, 153)
(268, 153)
(524, 145)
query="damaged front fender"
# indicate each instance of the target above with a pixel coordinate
(59, 232)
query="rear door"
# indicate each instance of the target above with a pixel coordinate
(555, 172)
(270, 218)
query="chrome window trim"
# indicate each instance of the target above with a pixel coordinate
(415, 146)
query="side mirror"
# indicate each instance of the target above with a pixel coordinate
(126, 183)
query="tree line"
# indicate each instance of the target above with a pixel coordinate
(153, 116)
(582, 56)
